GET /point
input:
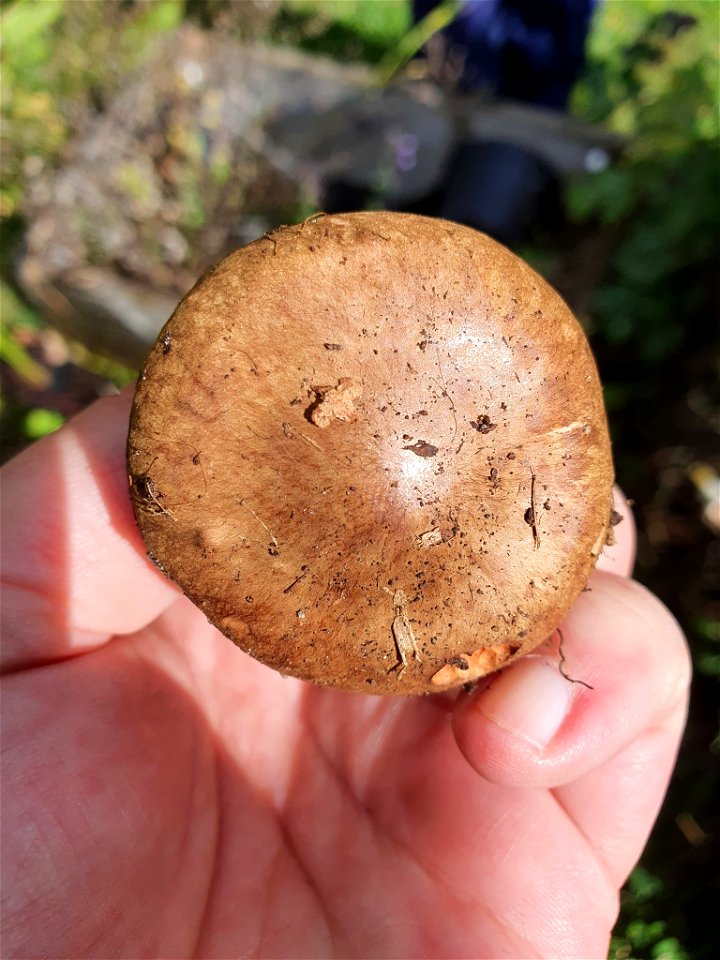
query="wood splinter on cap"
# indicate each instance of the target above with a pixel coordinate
(431, 538)
(403, 633)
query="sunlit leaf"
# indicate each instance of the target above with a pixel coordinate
(40, 422)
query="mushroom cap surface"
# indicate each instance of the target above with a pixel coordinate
(372, 449)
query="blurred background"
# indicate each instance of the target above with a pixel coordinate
(143, 139)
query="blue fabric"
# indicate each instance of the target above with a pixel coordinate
(531, 50)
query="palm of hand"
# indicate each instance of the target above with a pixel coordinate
(228, 812)
(168, 796)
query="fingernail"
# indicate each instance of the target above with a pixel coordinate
(531, 700)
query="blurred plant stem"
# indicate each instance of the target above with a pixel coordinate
(415, 39)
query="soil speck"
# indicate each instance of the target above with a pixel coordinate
(483, 424)
(422, 449)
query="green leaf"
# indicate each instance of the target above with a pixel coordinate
(609, 195)
(708, 664)
(644, 885)
(160, 16)
(416, 38)
(707, 628)
(25, 20)
(40, 422)
(19, 360)
(669, 949)
(642, 934)
(386, 21)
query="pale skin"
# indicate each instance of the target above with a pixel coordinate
(165, 795)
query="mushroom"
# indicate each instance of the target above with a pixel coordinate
(372, 449)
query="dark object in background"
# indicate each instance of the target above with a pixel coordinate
(391, 146)
(519, 49)
(515, 49)
(501, 189)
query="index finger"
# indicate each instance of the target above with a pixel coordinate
(74, 568)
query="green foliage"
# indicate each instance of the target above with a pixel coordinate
(707, 660)
(669, 948)
(380, 32)
(40, 422)
(362, 30)
(653, 77)
(415, 38)
(383, 23)
(24, 27)
(15, 315)
(13, 311)
(643, 885)
(644, 935)
(57, 55)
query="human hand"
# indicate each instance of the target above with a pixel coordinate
(166, 795)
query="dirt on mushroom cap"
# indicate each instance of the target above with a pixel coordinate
(367, 406)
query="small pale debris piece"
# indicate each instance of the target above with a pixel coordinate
(336, 402)
(599, 543)
(569, 427)
(441, 533)
(431, 537)
(403, 633)
(477, 664)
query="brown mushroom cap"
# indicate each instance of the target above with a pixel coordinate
(372, 449)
